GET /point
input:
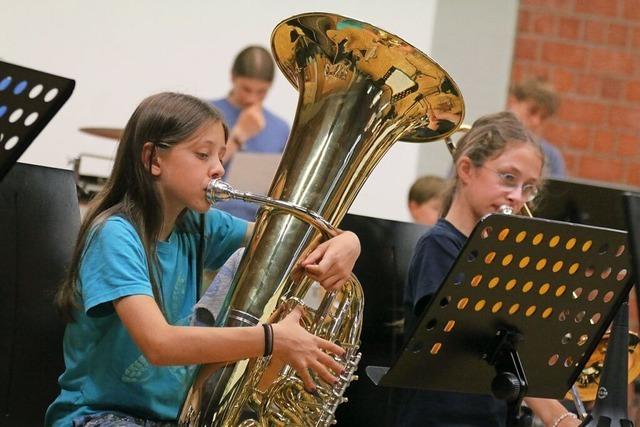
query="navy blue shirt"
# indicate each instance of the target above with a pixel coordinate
(435, 253)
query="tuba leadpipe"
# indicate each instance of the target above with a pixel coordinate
(218, 190)
(361, 90)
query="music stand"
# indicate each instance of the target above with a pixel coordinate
(582, 201)
(611, 401)
(519, 313)
(28, 101)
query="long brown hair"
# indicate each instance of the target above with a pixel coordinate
(163, 119)
(488, 138)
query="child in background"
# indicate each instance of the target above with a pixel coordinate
(425, 199)
(253, 128)
(496, 163)
(533, 101)
(129, 354)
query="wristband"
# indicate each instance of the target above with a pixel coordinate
(268, 339)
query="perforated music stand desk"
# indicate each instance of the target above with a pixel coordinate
(28, 101)
(554, 286)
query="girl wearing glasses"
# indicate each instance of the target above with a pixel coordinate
(496, 164)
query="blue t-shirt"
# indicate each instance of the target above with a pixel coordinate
(554, 161)
(105, 370)
(435, 253)
(271, 139)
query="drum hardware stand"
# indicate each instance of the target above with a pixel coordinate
(524, 294)
(577, 400)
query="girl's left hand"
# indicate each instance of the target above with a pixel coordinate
(331, 262)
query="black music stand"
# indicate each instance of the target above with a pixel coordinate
(39, 223)
(387, 247)
(611, 400)
(519, 313)
(610, 408)
(582, 201)
(28, 101)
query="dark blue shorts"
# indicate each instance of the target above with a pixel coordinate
(117, 420)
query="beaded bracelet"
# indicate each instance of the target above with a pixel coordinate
(558, 420)
(268, 339)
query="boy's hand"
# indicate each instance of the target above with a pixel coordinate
(250, 122)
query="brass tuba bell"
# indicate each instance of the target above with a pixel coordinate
(361, 89)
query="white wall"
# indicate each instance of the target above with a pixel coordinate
(121, 51)
(473, 41)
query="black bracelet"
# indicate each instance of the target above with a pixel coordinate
(268, 339)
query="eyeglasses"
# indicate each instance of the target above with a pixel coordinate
(510, 181)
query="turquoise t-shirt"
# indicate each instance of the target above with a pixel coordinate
(105, 370)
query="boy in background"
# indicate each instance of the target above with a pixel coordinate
(425, 199)
(533, 101)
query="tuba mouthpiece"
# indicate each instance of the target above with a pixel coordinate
(218, 190)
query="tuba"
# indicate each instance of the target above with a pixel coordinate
(361, 89)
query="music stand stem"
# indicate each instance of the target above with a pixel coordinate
(510, 382)
(610, 408)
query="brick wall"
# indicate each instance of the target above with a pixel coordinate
(590, 51)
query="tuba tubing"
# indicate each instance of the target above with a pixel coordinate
(218, 190)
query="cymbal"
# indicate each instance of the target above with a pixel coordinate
(113, 133)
